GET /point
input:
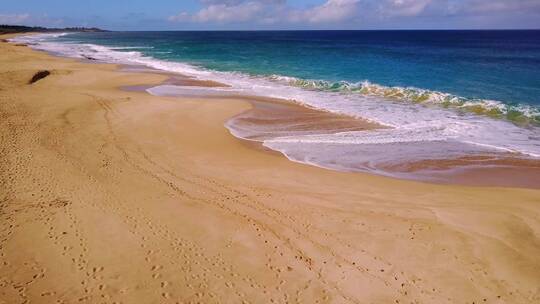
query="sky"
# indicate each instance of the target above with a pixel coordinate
(273, 14)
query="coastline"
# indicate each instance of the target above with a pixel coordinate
(443, 147)
(119, 196)
(268, 118)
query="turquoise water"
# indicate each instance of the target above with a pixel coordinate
(474, 65)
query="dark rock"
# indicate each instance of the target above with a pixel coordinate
(38, 76)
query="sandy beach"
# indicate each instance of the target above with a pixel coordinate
(115, 196)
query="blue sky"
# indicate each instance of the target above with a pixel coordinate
(274, 14)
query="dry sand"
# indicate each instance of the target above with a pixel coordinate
(108, 196)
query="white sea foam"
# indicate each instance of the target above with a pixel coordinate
(131, 48)
(172, 90)
(411, 122)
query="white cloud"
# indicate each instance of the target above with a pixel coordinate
(413, 8)
(407, 8)
(235, 2)
(223, 13)
(331, 11)
(482, 6)
(350, 12)
(14, 18)
(268, 12)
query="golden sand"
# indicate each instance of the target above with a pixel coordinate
(108, 196)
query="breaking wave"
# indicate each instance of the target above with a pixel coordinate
(520, 114)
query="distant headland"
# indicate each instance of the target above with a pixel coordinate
(9, 29)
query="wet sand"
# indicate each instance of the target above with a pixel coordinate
(270, 118)
(109, 196)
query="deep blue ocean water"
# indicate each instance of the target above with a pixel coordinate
(494, 65)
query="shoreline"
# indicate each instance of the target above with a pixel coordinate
(473, 165)
(110, 196)
(487, 170)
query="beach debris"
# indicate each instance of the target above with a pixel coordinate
(38, 76)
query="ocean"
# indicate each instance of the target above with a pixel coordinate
(436, 94)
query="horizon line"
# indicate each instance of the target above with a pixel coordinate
(272, 30)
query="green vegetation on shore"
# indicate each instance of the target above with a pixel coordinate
(10, 29)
